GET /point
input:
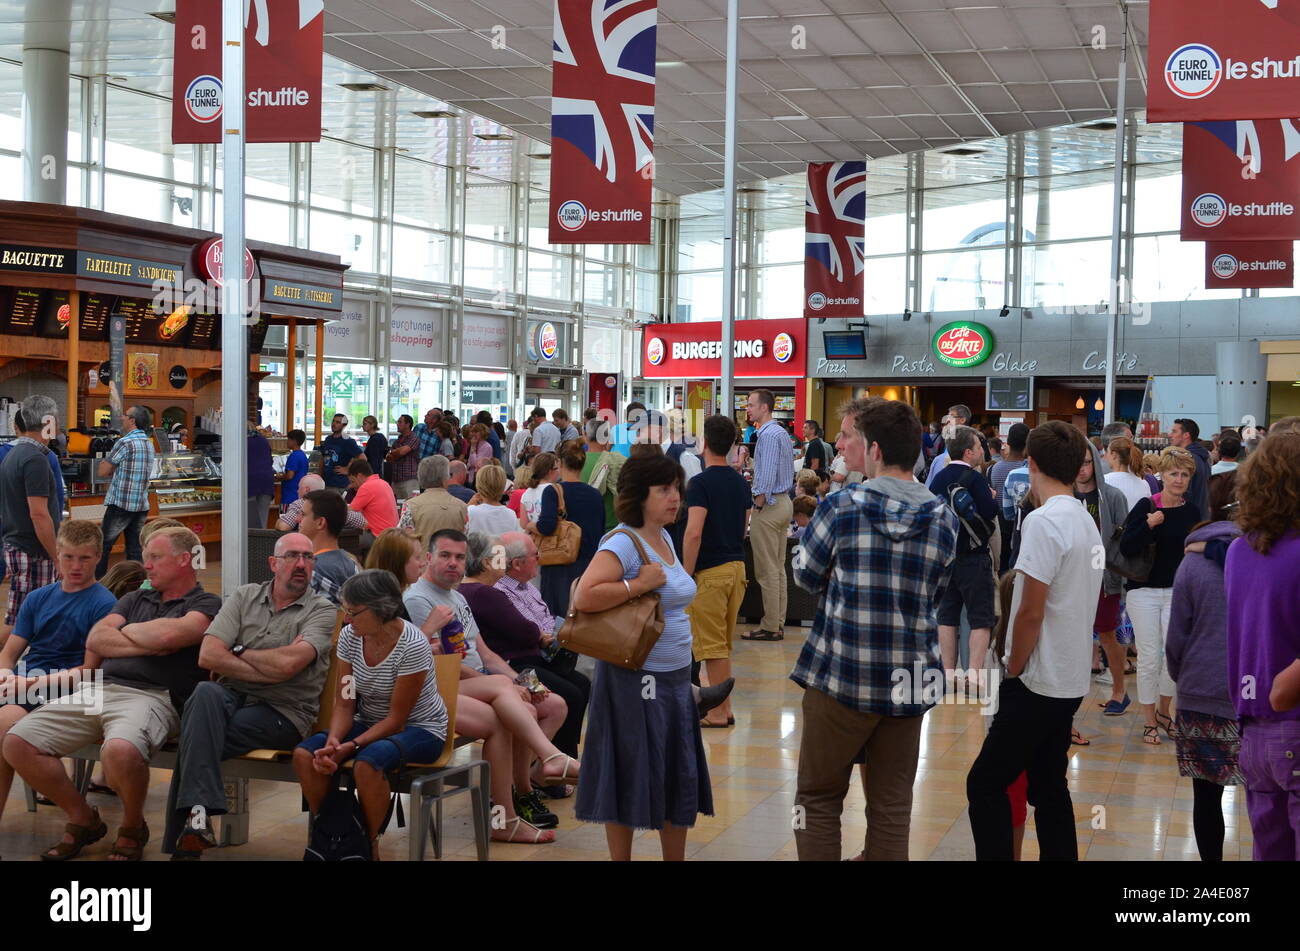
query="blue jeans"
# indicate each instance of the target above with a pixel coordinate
(411, 745)
(116, 521)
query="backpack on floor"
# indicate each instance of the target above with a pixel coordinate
(339, 832)
(978, 529)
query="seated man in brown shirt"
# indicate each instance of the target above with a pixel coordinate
(270, 647)
(434, 508)
(150, 646)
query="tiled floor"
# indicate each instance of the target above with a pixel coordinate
(1129, 800)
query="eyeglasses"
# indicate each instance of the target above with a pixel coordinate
(351, 613)
(304, 556)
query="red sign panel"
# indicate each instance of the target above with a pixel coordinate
(835, 222)
(1232, 264)
(602, 391)
(602, 121)
(211, 261)
(284, 44)
(694, 350)
(1241, 180)
(1223, 59)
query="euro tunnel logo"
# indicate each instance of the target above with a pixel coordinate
(1193, 71)
(571, 215)
(1224, 266)
(817, 300)
(1209, 210)
(203, 99)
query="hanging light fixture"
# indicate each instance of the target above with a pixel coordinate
(1099, 405)
(1079, 403)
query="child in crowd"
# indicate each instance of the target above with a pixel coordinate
(824, 489)
(803, 511)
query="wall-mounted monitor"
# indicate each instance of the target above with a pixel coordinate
(845, 344)
(1009, 393)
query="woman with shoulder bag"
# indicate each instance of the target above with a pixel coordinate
(643, 760)
(573, 500)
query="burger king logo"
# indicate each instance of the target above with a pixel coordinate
(1193, 71)
(963, 343)
(817, 300)
(548, 341)
(1224, 266)
(203, 99)
(782, 348)
(1209, 210)
(654, 351)
(571, 215)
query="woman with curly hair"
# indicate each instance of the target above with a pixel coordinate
(1260, 577)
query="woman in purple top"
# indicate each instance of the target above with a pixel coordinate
(1207, 734)
(1264, 639)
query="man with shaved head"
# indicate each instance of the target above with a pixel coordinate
(270, 649)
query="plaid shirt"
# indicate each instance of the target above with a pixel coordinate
(133, 455)
(430, 441)
(773, 462)
(879, 564)
(528, 601)
(404, 467)
(292, 516)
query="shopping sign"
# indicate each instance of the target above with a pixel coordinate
(602, 121)
(963, 343)
(1223, 59)
(835, 220)
(1236, 264)
(694, 350)
(1241, 180)
(284, 44)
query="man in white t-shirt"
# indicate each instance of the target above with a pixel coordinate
(840, 474)
(1048, 657)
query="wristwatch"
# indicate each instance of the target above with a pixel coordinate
(238, 649)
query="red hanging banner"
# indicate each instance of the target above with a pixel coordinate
(602, 121)
(835, 221)
(772, 348)
(1223, 59)
(1245, 264)
(284, 43)
(1241, 180)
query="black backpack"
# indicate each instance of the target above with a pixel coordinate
(339, 832)
(978, 529)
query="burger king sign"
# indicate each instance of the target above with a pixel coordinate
(963, 343)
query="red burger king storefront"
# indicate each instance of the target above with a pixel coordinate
(768, 353)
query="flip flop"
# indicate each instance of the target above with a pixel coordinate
(706, 725)
(1076, 739)
(763, 636)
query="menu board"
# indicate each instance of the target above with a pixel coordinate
(95, 309)
(203, 331)
(141, 322)
(56, 314)
(22, 311)
(257, 336)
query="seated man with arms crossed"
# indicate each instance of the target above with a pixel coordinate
(270, 647)
(51, 627)
(311, 482)
(150, 645)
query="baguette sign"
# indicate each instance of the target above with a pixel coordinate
(963, 343)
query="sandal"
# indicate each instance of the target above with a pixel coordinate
(515, 824)
(564, 779)
(82, 836)
(1166, 723)
(761, 635)
(131, 853)
(1076, 739)
(1151, 735)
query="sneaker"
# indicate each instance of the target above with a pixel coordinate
(193, 840)
(1104, 678)
(530, 808)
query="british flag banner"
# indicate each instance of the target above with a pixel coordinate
(602, 121)
(835, 219)
(1241, 180)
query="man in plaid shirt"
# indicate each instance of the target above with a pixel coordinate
(427, 433)
(878, 555)
(127, 503)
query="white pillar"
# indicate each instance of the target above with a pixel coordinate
(729, 215)
(45, 122)
(234, 327)
(1242, 379)
(1117, 299)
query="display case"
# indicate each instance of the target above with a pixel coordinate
(185, 482)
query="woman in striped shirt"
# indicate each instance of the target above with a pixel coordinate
(387, 712)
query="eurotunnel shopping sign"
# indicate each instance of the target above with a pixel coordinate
(962, 343)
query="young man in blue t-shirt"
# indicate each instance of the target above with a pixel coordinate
(713, 550)
(295, 467)
(337, 453)
(51, 627)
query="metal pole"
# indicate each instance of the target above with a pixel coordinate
(726, 402)
(234, 328)
(1116, 230)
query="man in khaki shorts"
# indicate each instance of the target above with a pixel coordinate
(718, 505)
(150, 645)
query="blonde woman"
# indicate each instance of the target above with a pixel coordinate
(486, 513)
(1164, 520)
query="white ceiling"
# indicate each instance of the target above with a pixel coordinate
(875, 78)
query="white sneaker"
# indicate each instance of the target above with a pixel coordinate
(1104, 678)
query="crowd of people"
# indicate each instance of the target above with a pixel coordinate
(1061, 556)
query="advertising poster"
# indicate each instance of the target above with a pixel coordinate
(835, 221)
(1241, 180)
(1246, 264)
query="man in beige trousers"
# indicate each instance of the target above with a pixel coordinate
(770, 523)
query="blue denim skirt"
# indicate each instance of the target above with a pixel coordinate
(643, 759)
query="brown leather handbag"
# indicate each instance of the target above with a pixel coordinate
(561, 547)
(623, 635)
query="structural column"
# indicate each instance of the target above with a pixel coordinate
(45, 102)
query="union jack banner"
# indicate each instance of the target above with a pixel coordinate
(1241, 180)
(835, 218)
(602, 121)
